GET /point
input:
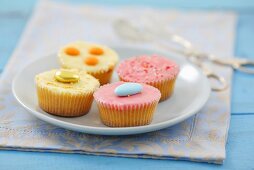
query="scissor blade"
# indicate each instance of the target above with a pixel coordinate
(233, 61)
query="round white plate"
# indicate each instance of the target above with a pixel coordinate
(191, 92)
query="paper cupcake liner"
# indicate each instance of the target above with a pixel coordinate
(119, 116)
(166, 87)
(104, 76)
(64, 104)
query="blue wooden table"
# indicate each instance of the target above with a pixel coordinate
(240, 148)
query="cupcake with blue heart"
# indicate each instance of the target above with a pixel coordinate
(125, 104)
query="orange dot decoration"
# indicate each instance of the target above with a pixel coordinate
(96, 51)
(91, 61)
(72, 51)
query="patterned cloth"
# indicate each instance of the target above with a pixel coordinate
(200, 138)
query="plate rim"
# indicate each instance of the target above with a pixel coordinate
(113, 130)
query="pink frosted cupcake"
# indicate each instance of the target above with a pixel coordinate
(126, 104)
(156, 71)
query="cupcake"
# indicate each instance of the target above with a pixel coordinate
(65, 93)
(95, 59)
(126, 104)
(156, 71)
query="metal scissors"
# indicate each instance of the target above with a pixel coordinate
(221, 82)
(240, 64)
(128, 31)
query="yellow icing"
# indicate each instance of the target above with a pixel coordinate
(106, 60)
(65, 76)
(86, 83)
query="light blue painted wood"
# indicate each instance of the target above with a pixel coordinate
(15, 14)
(13, 18)
(243, 91)
(10, 30)
(239, 156)
(237, 5)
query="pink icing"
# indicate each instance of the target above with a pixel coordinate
(147, 69)
(105, 94)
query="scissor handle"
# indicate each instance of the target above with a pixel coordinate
(223, 83)
(242, 67)
(239, 64)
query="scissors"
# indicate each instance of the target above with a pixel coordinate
(221, 82)
(184, 47)
(239, 64)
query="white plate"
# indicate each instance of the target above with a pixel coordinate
(192, 90)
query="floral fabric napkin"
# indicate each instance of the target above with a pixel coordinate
(200, 138)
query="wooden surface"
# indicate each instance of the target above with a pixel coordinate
(240, 148)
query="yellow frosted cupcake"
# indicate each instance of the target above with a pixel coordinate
(65, 93)
(95, 59)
